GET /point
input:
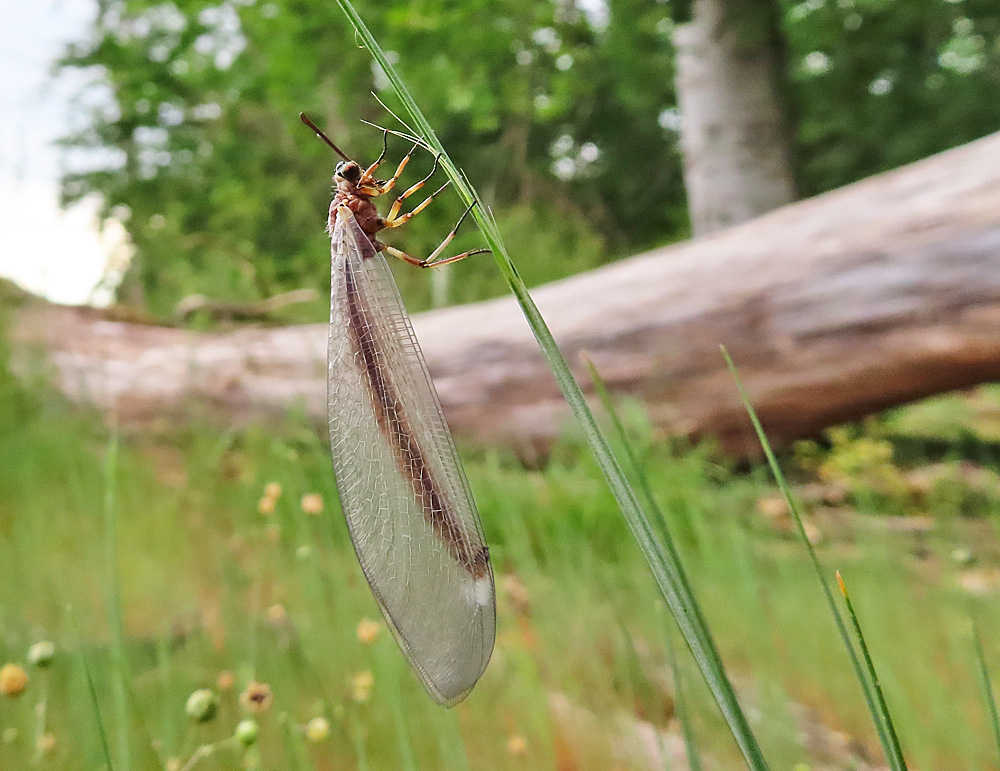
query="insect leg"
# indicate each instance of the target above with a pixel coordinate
(398, 203)
(432, 261)
(394, 220)
(427, 263)
(385, 187)
(367, 176)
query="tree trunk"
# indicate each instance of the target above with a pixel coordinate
(734, 127)
(870, 296)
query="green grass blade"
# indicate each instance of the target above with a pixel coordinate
(680, 707)
(642, 480)
(882, 725)
(894, 752)
(984, 681)
(120, 690)
(358, 738)
(660, 560)
(638, 475)
(88, 674)
(294, 753)
(393, 670)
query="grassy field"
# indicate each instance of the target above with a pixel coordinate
(174, 559)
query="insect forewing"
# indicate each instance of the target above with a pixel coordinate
(404, 494)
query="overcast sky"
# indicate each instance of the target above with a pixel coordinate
(54, 253)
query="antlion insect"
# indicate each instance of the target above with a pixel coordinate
(406, 499)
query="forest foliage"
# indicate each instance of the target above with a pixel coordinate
(563, 113)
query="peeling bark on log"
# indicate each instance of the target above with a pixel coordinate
(867, 297)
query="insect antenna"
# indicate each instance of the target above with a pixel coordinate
(408, 137)
(319, 132)
(402, 122)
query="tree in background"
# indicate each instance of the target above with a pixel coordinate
(563, 113)
(877, 84)
(735, 132)
(554, 114)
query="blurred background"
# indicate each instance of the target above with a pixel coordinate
(153, 168)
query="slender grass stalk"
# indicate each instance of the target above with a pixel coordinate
(390, 668)
(41, 715)
(116, 624)
(95, 703)
(662, 561)
(876, 705)
(358, 739)
(641, 690)
(638, 474)
(681, 708)
(295, 752)
(984, 681)
(896, 761)
(202, 752)
(451, 743)
(165, 677)
(405, 745)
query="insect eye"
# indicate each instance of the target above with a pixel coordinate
(349, 171)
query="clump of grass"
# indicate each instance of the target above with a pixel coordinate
(202, 568)
(865, 674)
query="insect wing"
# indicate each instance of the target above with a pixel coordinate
(408, 506)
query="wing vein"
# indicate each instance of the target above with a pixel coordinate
(405, 497)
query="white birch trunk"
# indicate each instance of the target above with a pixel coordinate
(737, 159)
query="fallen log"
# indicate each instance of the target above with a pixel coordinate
(866, 297)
